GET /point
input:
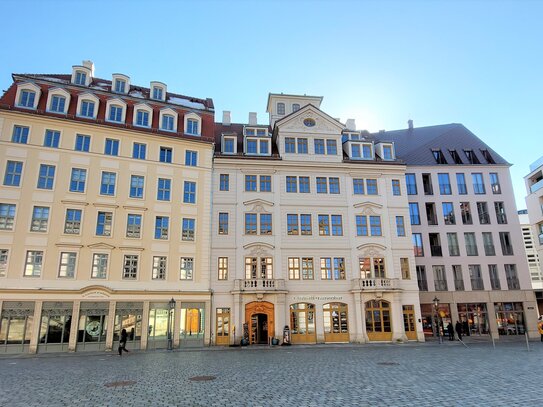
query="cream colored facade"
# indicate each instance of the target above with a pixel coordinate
(534, 205)
(74, 272)
(281, 277)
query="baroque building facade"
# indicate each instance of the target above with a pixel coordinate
(104, 213)
(310, 231)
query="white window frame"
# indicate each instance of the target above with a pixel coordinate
(135, 262)
(82, 69)
(192, 116)
(144, 107)
(171, 112)
(4, 262)
(108, 258)
(223, 143)
(28, 87)
(60, 264)
(58, 92)
(89, 97)
(158, 85)
(26, 264)
(120, 77)
(116, 102)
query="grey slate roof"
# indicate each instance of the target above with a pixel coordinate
(414, 146)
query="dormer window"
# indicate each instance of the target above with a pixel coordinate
(229, 145)
(387, 152)
(355, 137)
(280, 108)
(57, 104)
(355, 151)
(120, 86)
(167, 122)
(193, 124)
(295, 107)
(249, 132)
(472, 158)
(252, 146)
(261, 132)
(87, 109)
(439, 157)
(26, 99)
(80, 78)
(157, 93)
(455, 156)
(168, 119)
(488, 157)
(142, 118)
(264, 147)
(115, 113)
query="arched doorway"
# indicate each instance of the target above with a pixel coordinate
(302, 323)
(260, 317)
(336, 322)
(378, 323)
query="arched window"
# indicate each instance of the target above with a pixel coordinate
(281, 108)
(302, 323)
(58, 100)
(143, 115)
(295, 107)
(193, 124)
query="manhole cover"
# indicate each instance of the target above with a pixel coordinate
(388, 363)
(120, 383)
(202, 378)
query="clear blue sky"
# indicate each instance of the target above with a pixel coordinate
(382, 63)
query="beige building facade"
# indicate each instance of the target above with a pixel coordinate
(105, 214)
(310, 231)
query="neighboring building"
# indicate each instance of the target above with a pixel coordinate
(534, 205)
(466, 233)
(531, 252)
(104, 213)
(310, 231)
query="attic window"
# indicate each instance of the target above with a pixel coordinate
(439, 157)
(487, 156)
(455, 156)
(281, 108)
(472, 158)
(295, 107)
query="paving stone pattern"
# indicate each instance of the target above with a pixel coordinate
(419, 375)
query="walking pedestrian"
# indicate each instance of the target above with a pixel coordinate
(540, 327)
(450, 330)
(458, 328)
(122, 342)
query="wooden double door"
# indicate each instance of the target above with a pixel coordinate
(261, 319)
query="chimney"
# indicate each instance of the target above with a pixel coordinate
(350, 124)
(410, 124)
(89, 64)
(226, 118)
(252, 119)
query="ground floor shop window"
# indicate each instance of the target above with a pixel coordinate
(92, 327)
(16, 325)
(192, 323)
(336, 322)
(56, 322)
(302, 323)
(428, 312)
(510, 318)
(158, 325)
(474, 319)
(128, 316)
(223, 326)
(378, 322)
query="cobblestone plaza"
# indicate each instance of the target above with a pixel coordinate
(345, 375)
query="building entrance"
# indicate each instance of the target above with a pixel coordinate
(260, 317)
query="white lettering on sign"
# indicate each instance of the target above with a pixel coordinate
(319, 298)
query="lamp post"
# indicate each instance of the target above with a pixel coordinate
(438, 328)
(171, 305)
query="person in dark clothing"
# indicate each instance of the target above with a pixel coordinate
(450, 330)
(122, 342)
(458, 328)
(465, 327)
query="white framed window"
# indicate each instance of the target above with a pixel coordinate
(28, 95)
(143, 115)
(158, 91)
(4, 256)
(130, 267)
(67, 264)
(99, 265)
(367, 151)
(115, 110)
(186, 268)
(81, 75)
(280, 108)
(295, 107)
(87, 105)
(40, 219)
(229, 145)
(193, 124)
(58, 101)
(121, 83)
(160, 264)
(34, 263)
(168, 119)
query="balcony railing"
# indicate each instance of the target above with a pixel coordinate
(259, 285)
(537, 186)
(375, 284)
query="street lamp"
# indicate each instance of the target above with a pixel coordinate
(171, 305)
(438, 329)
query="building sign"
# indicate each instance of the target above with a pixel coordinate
(319, 298)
